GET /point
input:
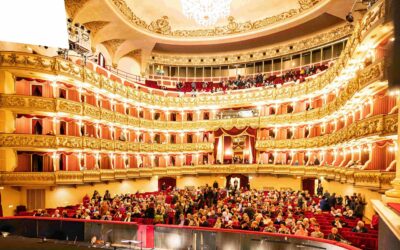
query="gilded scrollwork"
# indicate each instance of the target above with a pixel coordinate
(361, 178)
(73, 142)
(162, 25)
(367, 127)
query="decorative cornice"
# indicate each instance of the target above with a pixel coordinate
(376, 125)
(50, 142)
(374, 180)
(162, 26)
(264, 53)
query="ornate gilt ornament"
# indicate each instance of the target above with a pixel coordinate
(30, 104)
(376, 125)
(162, 25)
(73, 142)
(375, 180)
(334, 34)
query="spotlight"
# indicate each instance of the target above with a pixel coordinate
(350, 18)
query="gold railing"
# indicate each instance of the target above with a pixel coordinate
(24, 64)
(73, 142)
(377, 125)
(31, 105)
(376, 180)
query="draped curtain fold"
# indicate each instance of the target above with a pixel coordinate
(224, 143)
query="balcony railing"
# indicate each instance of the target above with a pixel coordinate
(376, 180)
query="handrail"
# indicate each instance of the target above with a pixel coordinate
(238, 231)
(123, 74)
(67, 219)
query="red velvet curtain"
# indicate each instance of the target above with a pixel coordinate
(236, 131)
(309, 185)
(188, 159)
(47, 163)
(253, 148)
(228, 148)
(216, 141)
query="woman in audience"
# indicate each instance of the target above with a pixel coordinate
(360, 228)
(317, 232)
(301, 231)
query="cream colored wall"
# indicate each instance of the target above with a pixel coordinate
(129, 65)
(261, 182)
(10, 199)
(198, 181)
(348, 189)
(69, 195)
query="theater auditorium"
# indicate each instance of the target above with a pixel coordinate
(201, 125)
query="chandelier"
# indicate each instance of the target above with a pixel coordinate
(206, 12)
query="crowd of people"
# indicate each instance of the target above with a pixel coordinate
(283, 212)
(259, 80)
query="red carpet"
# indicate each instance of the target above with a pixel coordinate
(395, 206)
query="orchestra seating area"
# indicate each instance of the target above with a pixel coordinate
(152, 208)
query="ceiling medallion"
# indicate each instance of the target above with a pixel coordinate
(162, 25)
(206, 12)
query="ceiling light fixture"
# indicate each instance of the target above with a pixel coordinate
(206, 12)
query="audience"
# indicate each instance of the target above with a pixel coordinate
(283, 212)
(242, 82)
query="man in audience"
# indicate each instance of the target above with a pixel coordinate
(334, 235)
(338, 223)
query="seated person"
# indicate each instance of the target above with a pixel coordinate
(360, 228)
(338, 223)
(283, 229)
(203, 222)
(334, 235)
(270, 227)
(317, 232)
(301, 231)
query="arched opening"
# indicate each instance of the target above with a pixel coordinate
(166, 183)
(235, 181)
(308, 184)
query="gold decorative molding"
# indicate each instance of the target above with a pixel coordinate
(374, 180)
(376, 125)
(264, 53)
(73, 6)
(95, 26)
(49, 142)
(162, 26)
(34, 105)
